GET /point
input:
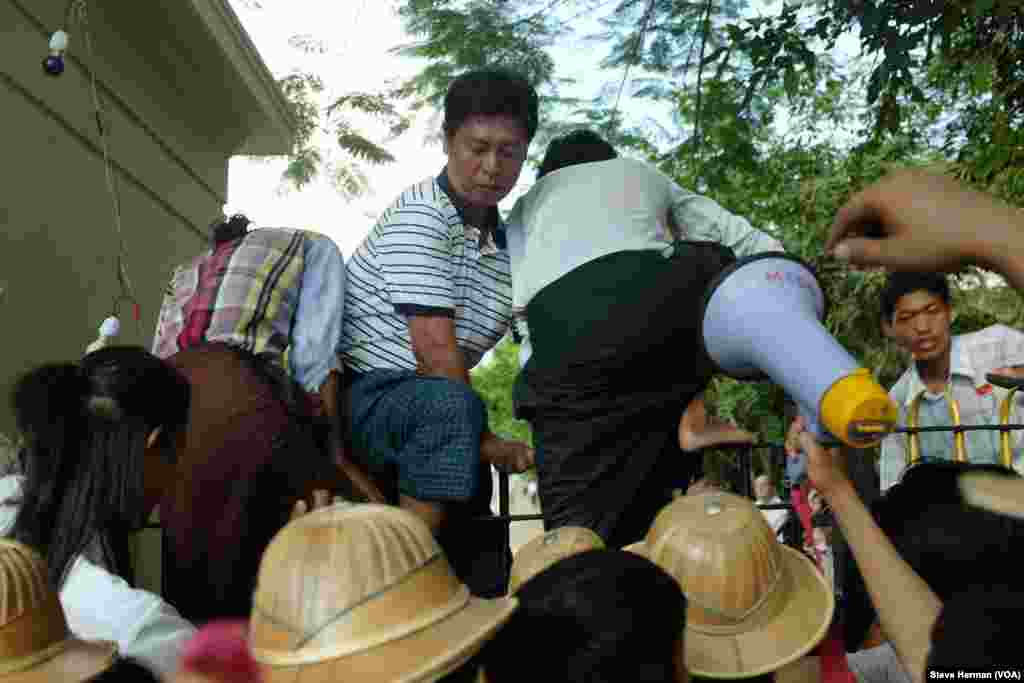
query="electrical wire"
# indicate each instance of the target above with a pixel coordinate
(77, 11)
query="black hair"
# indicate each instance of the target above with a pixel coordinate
(822, 519)
(229, 230)
(617, 616)
(490, 92)
(977, 629)
(945, 541)
(902, 283)
(578, 147)
(85, 428)
(125, 670)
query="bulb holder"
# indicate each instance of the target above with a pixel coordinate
(54, 65)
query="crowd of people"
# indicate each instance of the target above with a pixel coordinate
(322, 465)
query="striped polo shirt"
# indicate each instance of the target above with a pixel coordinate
(422, 258)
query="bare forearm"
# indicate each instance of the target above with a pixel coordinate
(436, 347)
(906, 606)
(329, 396)
(438, 355)
(442, 361)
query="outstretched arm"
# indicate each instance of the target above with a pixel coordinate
(907, 608)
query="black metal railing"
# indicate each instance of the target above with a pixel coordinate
(504, 513)
(506, 518)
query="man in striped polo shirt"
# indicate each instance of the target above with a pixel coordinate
(429, 293)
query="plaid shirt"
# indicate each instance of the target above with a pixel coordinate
(249, 293)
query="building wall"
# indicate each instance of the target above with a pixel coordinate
(170, 143)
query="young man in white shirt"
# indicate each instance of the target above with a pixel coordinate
(610, 259)
(916, 315)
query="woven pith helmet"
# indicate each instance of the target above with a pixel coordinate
(364, 592)
(36, 645)
(547, 549)
(753, 604)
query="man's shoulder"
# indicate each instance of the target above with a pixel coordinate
(273, 239)
(898, 391)
(425, 193)
(988, 335)
(990, 347)
(640, 171)
(423, 204)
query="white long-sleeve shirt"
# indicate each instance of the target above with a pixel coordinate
(99, 605)
(580, 213)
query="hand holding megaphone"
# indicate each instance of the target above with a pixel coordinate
(825, 468)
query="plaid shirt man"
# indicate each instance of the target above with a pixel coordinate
(274, 292)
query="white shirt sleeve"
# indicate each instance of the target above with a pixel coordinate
(878, 664)
(316, 333)
(100, 605)
(1011, 346)
(893, 459)
(702, 218)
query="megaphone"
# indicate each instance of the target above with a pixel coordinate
(762, 320)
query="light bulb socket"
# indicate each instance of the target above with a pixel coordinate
(54, 65)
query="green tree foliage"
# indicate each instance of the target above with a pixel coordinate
(315, 119)
(307, 160)
(493, 380)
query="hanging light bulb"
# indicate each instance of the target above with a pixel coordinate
(54, 63)
(109, 330)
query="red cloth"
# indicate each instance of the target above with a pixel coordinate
(798, 499)
(832, 653)
(220, 651)
(831, 650)
(230, 495)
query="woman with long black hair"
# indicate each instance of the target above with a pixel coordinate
(100, 442)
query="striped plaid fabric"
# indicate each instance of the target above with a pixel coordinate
(243, 293)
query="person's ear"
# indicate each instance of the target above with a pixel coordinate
(887, 330)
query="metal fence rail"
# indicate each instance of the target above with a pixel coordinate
(506, 518)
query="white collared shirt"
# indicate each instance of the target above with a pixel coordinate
(972, 356)
(99, 605)
(776, 518)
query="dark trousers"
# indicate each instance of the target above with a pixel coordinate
(423, 435)
(617, 357)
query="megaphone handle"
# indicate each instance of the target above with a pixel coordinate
(820, 434)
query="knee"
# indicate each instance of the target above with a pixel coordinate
(457, 403)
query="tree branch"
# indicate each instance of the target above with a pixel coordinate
(705, 28)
